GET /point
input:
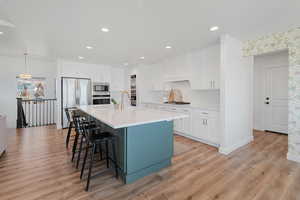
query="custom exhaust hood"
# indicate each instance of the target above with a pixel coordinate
(177, 78)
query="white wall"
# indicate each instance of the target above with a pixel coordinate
(261, 62)
(236, 96)
(13, 66)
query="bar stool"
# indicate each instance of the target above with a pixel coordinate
(80, 122)
(69, 114)
(94, 139)
(78, 119)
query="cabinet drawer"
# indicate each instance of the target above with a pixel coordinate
(206, 114)
(183, 110)
(172, 109)
(162, 108)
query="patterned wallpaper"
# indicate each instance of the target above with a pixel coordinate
(279, 41)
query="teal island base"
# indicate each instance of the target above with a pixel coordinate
(143, 149)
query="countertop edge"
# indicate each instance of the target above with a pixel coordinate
(204, 107)
(136, 124)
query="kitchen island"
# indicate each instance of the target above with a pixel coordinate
(144, 137)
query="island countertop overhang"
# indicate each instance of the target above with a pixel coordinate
(130, 116)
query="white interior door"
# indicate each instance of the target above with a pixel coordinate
(276, 99)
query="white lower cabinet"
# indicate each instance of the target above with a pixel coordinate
(205, 126)
(200, 125)
(181, 125)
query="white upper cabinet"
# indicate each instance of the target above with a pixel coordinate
(97, 73)
(177, 68)
(156, 76)
(205, 67)
(100, 74)
(117, 82)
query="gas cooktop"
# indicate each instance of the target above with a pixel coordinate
(178, 102)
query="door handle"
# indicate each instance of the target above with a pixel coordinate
(267, 100)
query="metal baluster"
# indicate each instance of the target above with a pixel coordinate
(50, 112)
(44, 113)
(50, 117)
(53, 112)
(36, 113)
(29, 120)
(47, 113)
(32, 114)
(40, 116)
(25, 112)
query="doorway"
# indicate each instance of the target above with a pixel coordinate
(271, 92)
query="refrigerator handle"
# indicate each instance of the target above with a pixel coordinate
(79, 93)
(76, 92)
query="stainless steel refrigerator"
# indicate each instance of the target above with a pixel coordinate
(74, 91)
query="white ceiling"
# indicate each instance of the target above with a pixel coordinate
(62, 28)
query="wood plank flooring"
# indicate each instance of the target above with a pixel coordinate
(37, 166)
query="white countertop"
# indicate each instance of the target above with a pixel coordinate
(203, 107)
(130, 116)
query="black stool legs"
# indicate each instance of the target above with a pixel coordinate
(69, 134)
(84, 160)
(79, 152)
(75, 145)
(107, 155)
(113, 159)
(90, 167)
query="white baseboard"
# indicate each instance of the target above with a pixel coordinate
(293, 157)
(197, 139)
(229, 149)
(58, 126)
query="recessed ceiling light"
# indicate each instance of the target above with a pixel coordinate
(80, 57)
(126, 64)
(104, 29)
(89, 47)
(1, 33)
(168, 47)
(214, 28)
(142, 57)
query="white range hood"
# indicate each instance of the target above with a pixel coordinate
(177, 78)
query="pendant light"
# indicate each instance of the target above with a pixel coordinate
(25, 75)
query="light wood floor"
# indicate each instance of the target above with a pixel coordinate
(37, 166)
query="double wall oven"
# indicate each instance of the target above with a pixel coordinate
(101, 93)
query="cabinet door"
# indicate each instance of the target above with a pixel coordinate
(205, 66)
(181, 125)
(117, 79)
(199, 127)
(211, 63)
(156, 76)
(177, 125)
(187, 125)
(213, 130)
(106, 74)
